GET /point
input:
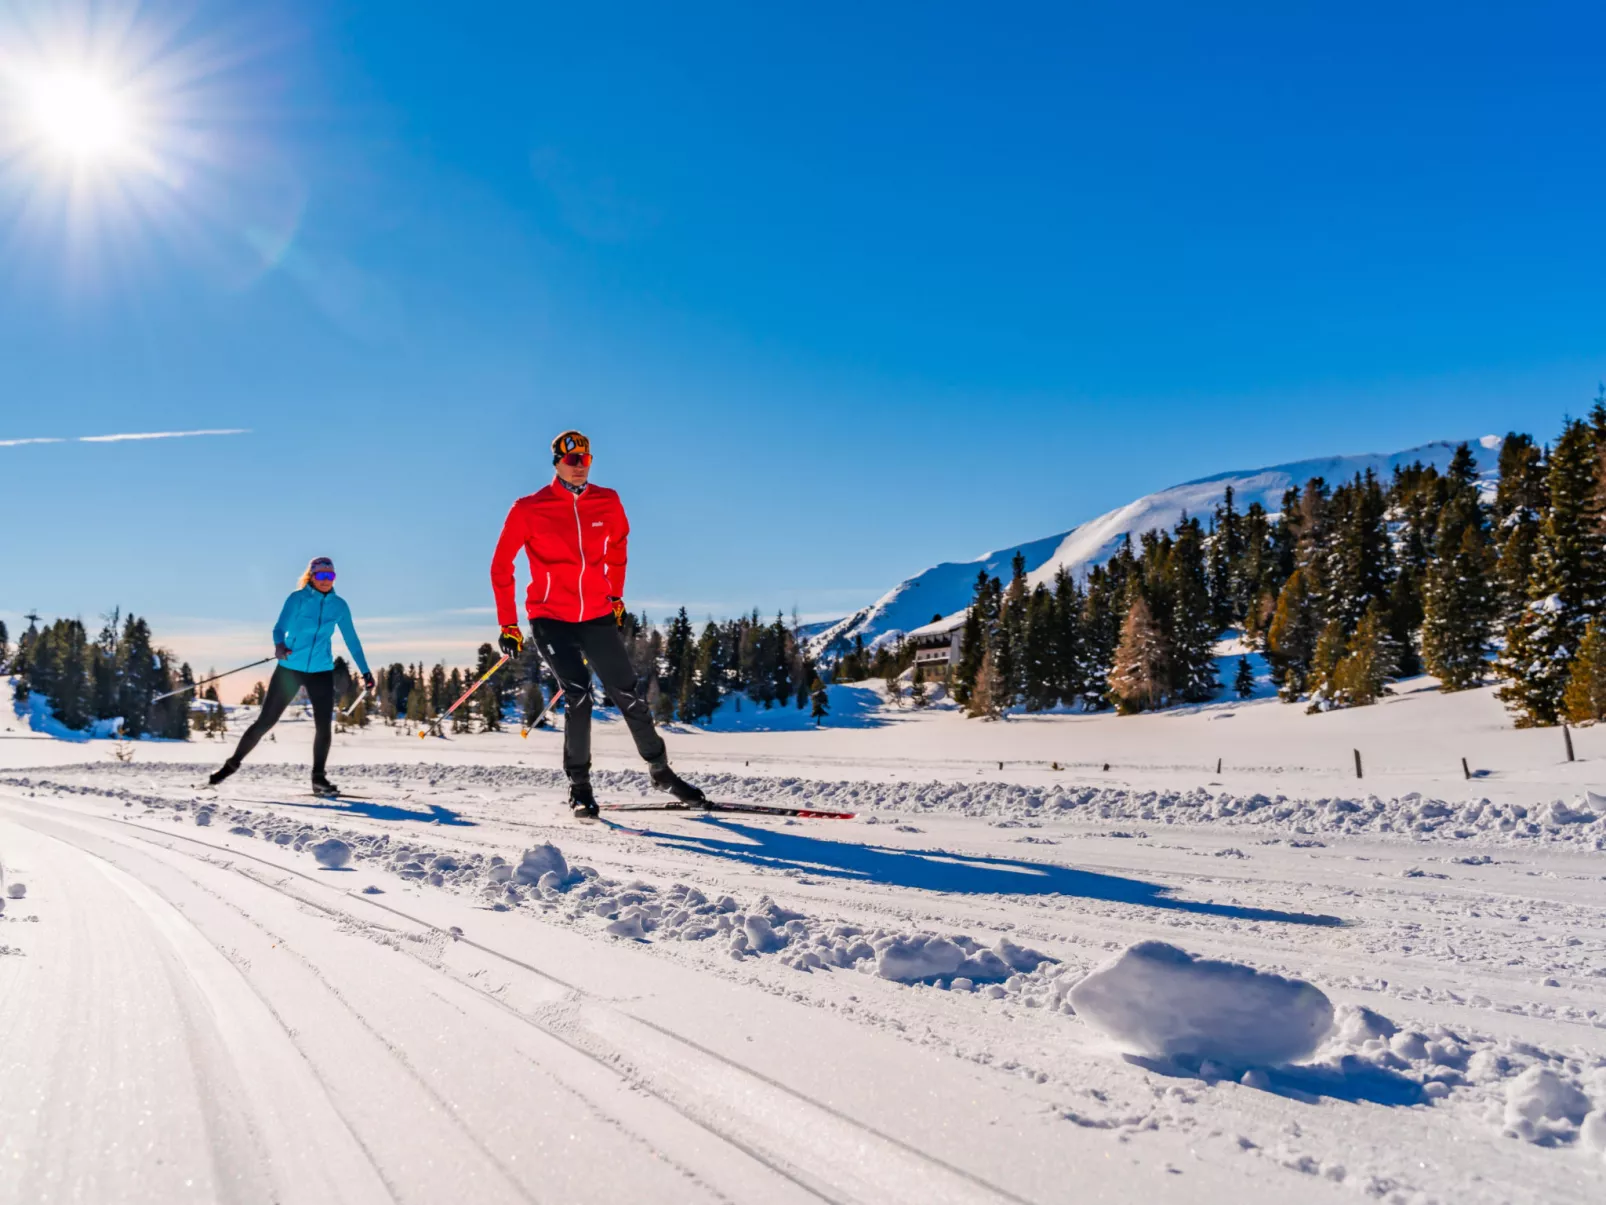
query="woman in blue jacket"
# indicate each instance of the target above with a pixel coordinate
(301, 640)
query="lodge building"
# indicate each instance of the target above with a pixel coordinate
(937, 645)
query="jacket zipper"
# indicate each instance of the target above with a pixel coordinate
(580, 538)
(548, 593)
(316, 628)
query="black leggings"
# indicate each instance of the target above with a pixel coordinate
(281, 689)
(575, 651)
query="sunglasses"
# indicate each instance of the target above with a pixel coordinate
(324, 575)
(577, 460)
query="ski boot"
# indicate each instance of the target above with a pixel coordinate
(322, 786)
(581, 801)
(666, 779)
(222, 772)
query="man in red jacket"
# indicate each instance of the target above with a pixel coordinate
(576, 535)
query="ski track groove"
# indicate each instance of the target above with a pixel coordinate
(799, 1177)
(636, 1081)
(123, 879)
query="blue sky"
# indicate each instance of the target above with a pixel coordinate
(837, 293)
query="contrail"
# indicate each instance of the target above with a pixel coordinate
(111, 439)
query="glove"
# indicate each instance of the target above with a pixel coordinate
(511, 640)
(368, 683)
(281, 651)
(618, 610)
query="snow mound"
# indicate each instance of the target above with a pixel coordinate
(333, 853)
(542, 860)
(16, 890)
(1544, 1108)
(1157, 1000)
(920, 956)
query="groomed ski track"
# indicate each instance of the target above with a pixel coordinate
(299, 1042)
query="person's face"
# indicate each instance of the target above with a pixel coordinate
(323, 581)
(575, 467)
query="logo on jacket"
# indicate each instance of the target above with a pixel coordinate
(598, 523)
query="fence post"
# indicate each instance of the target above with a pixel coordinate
(1466, 771)
(1357, 763)
(1567, 736)
(1218, 766)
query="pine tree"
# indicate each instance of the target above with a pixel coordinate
(1191, 638)
(417, 710)
(1565, 587)
(1329, 651)
(1519, 504)
(1070, 673)
(488, 698)
(1039, 665)
(1584, 699)
(917, 687)
(1361, 678)
(1010, 650)
(1137, 680)
(1225, 556)
(987, 700)
(890, 681)
(1460, 597)
(1357, 563)
(1291, 637)
(821, 700)
(1102, 616)
(1243, 684)
(5, 647)
(973, 640)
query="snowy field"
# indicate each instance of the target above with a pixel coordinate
(1041, 981)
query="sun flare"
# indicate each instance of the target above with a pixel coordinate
(80, 117)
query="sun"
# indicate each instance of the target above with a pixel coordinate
(79, 117)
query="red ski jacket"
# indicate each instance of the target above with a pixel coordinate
(576, 544)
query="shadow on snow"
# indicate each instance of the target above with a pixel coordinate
(380, 811)
(1352, 1080)
(937, 870)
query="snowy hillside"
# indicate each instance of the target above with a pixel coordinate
(945, 588)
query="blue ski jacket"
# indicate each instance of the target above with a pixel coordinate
(307, 624)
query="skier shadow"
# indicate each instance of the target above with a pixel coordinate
(384, 811)
(938, 870)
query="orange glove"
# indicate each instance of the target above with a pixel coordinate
(512, 640)
(618, 610)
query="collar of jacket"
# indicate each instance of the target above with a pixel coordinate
(576, 490)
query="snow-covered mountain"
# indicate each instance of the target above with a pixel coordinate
(946, 588)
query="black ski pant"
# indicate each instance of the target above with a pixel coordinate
(575, 651)
(281, 689)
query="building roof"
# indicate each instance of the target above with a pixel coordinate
(941, 627)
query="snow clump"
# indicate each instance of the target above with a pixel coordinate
(1544, 1108)
(332, 853)
(16, 890)
(543, 867)
(1157, 1000)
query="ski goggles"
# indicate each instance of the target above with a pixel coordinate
(576, 460)
(324, 575)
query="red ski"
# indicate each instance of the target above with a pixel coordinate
(761, 809)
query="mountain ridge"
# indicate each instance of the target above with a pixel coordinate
(945, 588)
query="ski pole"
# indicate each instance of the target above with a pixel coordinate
(550, 704)
(361, 695)
(213, 678)
(479, 682)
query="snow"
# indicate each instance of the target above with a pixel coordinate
(1156, 999)
(946, 588)
(332, 853)
(1543, 1107)
(1153, 982)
